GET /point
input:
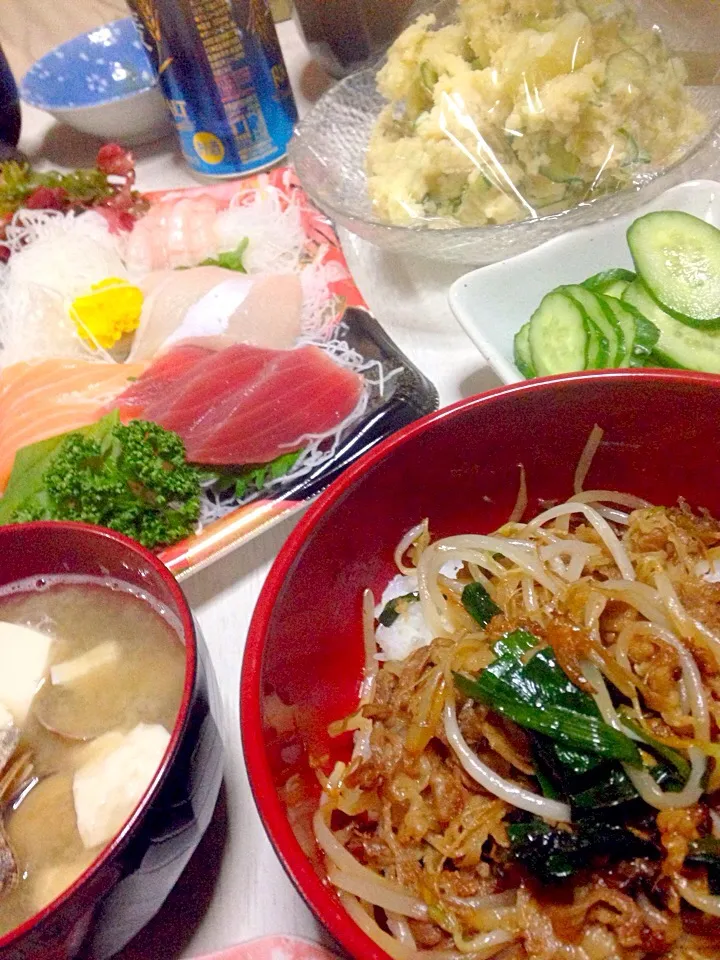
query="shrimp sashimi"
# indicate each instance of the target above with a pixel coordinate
(173, 233)
(45, 399)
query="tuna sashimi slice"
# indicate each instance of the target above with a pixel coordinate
(301, 393)
(160, 381)
(45, 399)
(212, 390)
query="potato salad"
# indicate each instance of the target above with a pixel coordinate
(523, 108)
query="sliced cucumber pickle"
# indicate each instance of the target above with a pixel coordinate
(626, 321)
(604, 319)
(558, 335)
(640, 334)
(626, 69)
(611, 283)
(602, 282)
(615, 290)
(598, 349)
(428, 75)
(677, 256)
(521, 352)
(679, 345)
(562, 166)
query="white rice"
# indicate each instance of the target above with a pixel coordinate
(409, 632)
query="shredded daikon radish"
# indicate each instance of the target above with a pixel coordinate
(510, 792)
(319, 309)
(56, 257)
(272, 225)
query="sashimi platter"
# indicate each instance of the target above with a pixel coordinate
(185, 367)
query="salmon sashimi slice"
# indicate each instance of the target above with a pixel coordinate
(51, 397)
(301, 393)
(213, 391)
(74, 380)
(160, 381)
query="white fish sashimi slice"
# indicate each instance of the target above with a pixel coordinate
(269, 316)
(169, 294)
(210, 315)
(209, 302)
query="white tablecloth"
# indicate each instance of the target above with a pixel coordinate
(235, 888)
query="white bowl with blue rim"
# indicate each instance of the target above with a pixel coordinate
(102, 83)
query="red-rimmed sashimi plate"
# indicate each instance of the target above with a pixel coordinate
(187, 366)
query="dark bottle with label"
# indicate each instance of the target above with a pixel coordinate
(9, 105)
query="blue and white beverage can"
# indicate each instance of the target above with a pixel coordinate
(223, 75)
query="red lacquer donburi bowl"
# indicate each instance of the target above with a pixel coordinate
(459, 467)
(126, 886)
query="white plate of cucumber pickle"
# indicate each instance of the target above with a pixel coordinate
(637, 290)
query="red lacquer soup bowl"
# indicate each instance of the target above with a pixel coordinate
(128, 883)
(459, 467)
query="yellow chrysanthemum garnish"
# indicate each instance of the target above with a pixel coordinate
(111, 309)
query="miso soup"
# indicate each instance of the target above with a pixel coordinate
(91, 681)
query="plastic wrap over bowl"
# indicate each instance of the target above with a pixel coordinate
(491, 191)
